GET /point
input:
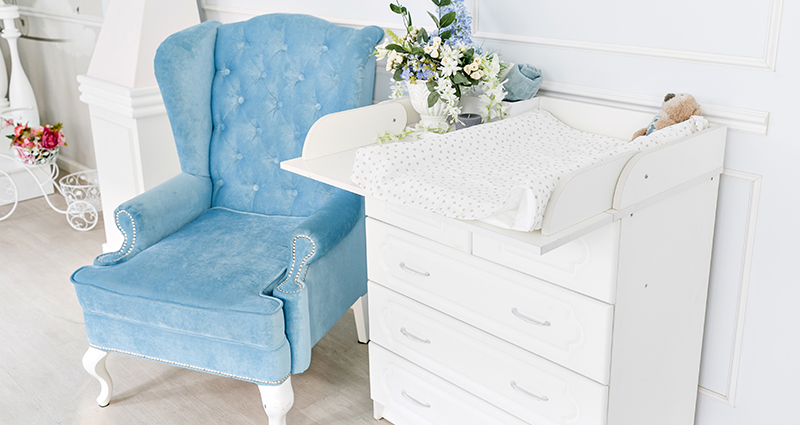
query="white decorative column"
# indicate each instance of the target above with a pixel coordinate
(133, 143)
(21, 106)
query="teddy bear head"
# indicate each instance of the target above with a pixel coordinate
(680, 106)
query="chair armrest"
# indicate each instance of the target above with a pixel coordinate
(323, 230)
(158, 213)
(314, 237)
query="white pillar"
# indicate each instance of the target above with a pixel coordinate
(133, 143)
(21, 106)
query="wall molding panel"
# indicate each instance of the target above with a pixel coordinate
(744, 285)
(735, 118)
(89, 21)
(766, 62)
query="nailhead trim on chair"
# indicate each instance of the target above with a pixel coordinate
(302, 264)
(125, 238)
(201, 369)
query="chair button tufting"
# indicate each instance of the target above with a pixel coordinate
(274, 160)
(255, 187)
(259, 130)
(239, 156)
(324, 48)
(318, 106)
(294, 193)
(220, 182)
(297, 135)
(241, 100)
(301, 77)
(279, 104)
(285, 47)
(264, 74)
(222, 126)
(226, 71)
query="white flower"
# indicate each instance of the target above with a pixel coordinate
(477, 75)
(449, 66)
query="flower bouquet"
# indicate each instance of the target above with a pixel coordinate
(444, 64)
(38, 145)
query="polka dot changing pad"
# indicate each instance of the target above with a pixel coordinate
(502, 172)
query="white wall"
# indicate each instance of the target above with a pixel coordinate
(738, 58)
(53, 67)
(740, 61)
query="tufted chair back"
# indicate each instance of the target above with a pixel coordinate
(273, 76)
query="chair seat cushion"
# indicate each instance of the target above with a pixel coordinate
(213, 278)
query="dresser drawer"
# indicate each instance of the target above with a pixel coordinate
(411, 395)
(521, 383)
(559, 325)
(420, 222)
(587, 265)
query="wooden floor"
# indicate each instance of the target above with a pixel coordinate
(42, 341)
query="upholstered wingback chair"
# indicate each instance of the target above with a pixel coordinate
(236, 267)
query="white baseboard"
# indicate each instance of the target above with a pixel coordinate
(69, 166)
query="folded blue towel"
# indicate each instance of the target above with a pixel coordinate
(523, 82)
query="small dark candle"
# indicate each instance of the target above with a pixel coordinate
(467, 120)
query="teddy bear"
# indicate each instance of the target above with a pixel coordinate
(675, 108)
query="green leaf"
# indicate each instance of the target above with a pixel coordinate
(398, 74)
(396, 9)
(433, 98)
(422, 37)
(460, 78)
(435, 19)
(431, 86)
(446, 35)
(447, 19)
(437, 3)
(444, 3)
(417, 51)
(397, 48)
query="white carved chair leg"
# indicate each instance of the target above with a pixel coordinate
(277, 400)
(361, 313)
(94, 361)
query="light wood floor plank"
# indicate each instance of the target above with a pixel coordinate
(42, 341)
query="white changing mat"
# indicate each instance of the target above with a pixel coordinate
(502, 173)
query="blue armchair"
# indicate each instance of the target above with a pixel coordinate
(236, 267)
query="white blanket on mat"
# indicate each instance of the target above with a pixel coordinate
(502, 173)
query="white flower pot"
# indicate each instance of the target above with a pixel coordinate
(435, 117)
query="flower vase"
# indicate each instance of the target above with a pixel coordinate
(433, 118)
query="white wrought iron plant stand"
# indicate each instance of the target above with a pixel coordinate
(81, 214)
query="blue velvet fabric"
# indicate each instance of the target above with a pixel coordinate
(236, 267)
(276, 75)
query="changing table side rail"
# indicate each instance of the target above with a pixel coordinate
(660, 170)
(354, 128)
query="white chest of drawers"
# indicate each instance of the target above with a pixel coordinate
(606, 331)
(596, 319)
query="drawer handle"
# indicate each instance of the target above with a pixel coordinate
(415, 401)
(527, 393)
(528, 319)
(412, 271)
(414, 338)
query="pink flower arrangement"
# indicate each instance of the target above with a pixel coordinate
(39, 143)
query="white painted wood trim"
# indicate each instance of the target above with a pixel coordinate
(69, 166)
(747, 120)
(246, 13)
(353, 128)
(135, 103)
(766, 62)
(744, 287)
(662, 168)
(36, 12)
(361, 314)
